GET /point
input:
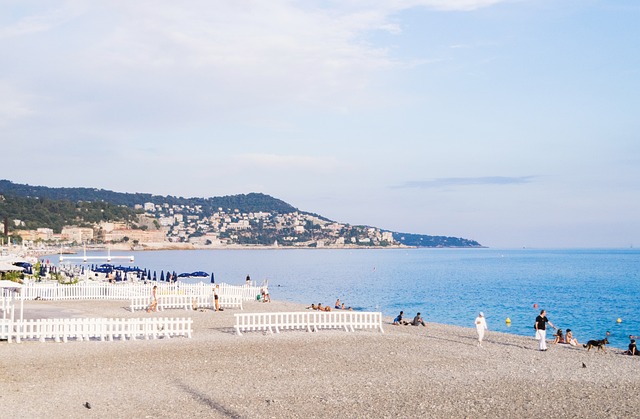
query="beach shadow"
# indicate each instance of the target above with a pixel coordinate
(475, 342)
(207, 401)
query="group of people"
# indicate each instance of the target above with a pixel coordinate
(338, 306)
(540, 327)
(319, 307)
(566, 338)
(417, 320)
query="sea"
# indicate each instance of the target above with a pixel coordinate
(595, 293)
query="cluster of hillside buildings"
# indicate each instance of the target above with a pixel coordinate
(169, 224)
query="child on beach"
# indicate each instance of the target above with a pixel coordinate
(398, 320)
(215, 299)
(568, 337)
(266, 298)
(559, 337)
(154, 300)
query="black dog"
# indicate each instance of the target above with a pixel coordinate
(596, 344)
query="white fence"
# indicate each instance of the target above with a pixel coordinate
(61, 330)
(311, 321)
(186, 302)
(127, 291)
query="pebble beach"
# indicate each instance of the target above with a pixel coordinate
(407, 371)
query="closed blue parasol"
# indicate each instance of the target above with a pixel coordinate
(212, 278)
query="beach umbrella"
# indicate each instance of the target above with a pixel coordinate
(212, 278)
(162, 276)
(155, 278)
(174, 277)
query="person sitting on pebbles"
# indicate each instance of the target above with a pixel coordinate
(633, 350)
(399, 319)
(559, 337)
(418, 320)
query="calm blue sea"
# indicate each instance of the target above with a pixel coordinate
(584, 290)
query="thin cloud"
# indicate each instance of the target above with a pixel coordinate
(289, 162)
(466, 181)
(43, 21)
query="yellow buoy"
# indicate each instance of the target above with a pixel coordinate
(619, 320)
(508, 320)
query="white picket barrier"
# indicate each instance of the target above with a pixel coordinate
(139, 303)
(127, 291)
(311, 321)
(175, 301)
(79, 329)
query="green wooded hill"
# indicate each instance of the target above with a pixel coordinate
(252, 202)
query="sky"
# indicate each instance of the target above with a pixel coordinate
(514, 123)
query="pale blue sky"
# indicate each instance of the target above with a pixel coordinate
(511, 122)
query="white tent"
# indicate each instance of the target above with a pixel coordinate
(6, 267)
(10, 284)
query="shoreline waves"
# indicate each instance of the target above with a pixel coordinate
(408, 371)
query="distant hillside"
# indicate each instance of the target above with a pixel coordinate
(41, 206)
(252, 202)
(421, 240)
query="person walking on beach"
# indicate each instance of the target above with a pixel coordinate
(481, 326)
(216, 299)
(154, 300)
(541, 329)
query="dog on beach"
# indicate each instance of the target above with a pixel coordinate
(596, 344)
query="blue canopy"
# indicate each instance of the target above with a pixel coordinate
(23, 264)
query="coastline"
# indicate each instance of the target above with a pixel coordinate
(408, 371)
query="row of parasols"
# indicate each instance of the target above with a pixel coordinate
(123, 272)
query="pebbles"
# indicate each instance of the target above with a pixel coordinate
(436, 371)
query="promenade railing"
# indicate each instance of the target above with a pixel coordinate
(310, 321)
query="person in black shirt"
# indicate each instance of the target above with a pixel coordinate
(541, 329)
(632, 347)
